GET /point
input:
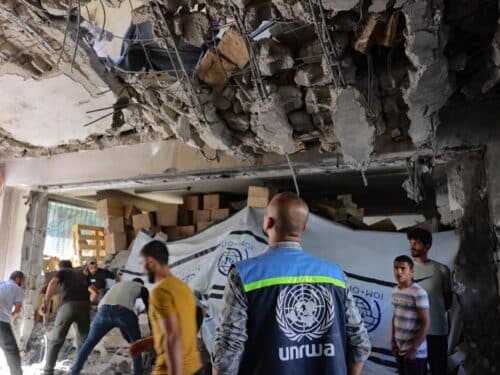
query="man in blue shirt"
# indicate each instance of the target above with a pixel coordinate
(11, 298)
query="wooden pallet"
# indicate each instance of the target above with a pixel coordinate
(88, 242)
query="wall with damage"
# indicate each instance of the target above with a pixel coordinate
(13, 210)
(254, 77)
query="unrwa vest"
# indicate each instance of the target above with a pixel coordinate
(296, 315)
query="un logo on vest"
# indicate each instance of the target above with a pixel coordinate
(305, 310)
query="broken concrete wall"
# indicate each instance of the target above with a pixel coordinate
(475, 279)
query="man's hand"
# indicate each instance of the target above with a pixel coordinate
(94, 293)
(215, 371)
(138, 347)
(44, 308)
(355, 368)
(395, 349)
(411, 354)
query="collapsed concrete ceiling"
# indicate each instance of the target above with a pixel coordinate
(245, 77)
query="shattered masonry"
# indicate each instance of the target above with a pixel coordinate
(263, 83)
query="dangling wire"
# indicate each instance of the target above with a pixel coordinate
(294, 175)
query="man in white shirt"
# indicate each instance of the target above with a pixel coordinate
(11, 298)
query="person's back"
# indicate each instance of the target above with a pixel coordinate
(124, 293)
(287, 312)
(172, 296)
(10, 294)
(296, 314)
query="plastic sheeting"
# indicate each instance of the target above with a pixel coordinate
(203, 262)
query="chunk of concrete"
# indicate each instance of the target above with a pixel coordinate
(232, 47)
(301, 121)
(355, 133)
(311, 75)
(215, 69)
(378, 6)
(195, 28)
(274, 57)
(318, 99)
(339, 5)
(290, 98)
(238, 122)
(273, 128)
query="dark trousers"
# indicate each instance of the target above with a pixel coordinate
(437, 354)
(107, 318)
(77, 312)
(412, 367)
(9, 346)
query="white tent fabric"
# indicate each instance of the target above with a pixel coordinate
(367, 257)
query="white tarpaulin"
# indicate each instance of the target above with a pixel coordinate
(203, 261)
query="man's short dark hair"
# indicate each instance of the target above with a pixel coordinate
(139, 280)
(17, 275)
(64, 264)
(404, 259)
(420, 234)
(156, 249)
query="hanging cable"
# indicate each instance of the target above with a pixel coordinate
(294, 175)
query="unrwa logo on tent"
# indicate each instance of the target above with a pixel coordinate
(369, 309)
(234, 250)
(230, 256)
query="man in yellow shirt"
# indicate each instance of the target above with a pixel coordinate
(172, 314)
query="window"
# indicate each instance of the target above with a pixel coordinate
(60, 218)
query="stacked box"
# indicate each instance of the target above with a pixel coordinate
(202, 225)
(212, 201)
(109, 208)
(145, 220)
(166, 215)
(258, 196)
(114, 224)
(114, 242)
(191, 202)
(218, 214)
(184, 217)
(201, 215)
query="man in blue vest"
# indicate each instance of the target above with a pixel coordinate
(287, 312)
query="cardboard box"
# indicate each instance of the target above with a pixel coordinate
(184, 217)
(202, 225)
(201, 215)
(114, 242)
(186, 230)
(191, 202)
(108, 208)
(131, 211)
(166, 214)
(258, 196)
(212, 201)
(114, 225)
(145, 220)
(172, 232)
(152, 230)
(219, 214)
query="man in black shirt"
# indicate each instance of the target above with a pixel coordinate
(97, 276)
(75, 308)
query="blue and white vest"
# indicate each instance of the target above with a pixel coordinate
(296, 315)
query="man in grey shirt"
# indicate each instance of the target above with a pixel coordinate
(11, 298)
(116, 310)
(434, 277)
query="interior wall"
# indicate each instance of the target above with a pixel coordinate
(12, 225)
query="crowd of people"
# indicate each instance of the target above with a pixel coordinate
(285, 312)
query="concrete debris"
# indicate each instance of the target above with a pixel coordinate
(311, 75)
(378, 6)
(238, 122)
(318, 99)
(271, 125)
(215, 69)
(258, 12)
(355, 132)
(339, 5)
(232, 47)
(301, 121)
(195, 28)
(274, 57)
(290, 98)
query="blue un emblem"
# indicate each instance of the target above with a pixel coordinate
(370, 312)
(230, 256)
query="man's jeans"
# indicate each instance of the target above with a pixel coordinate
(9, 346)
(437, 351)
(107, 318)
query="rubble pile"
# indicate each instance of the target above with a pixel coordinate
(247, 77)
